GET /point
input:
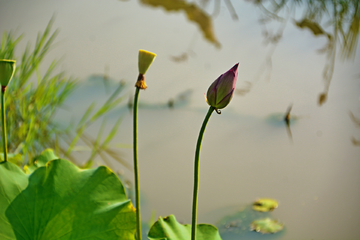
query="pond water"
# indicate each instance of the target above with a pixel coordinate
(311, 166)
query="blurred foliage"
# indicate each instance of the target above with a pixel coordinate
(33, 99)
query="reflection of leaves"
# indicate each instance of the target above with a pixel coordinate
(244, 89)
(352, 36)
(342, 16)
(322, 98)
(356, 121)
(193, 13)
(181, 58)
(355, 142)
(314, 27)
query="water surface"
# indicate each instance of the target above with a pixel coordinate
(247, 151)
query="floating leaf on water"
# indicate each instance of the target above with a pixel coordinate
(237, 220)
(265, 204)
(266, 225)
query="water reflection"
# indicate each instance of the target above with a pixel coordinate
(342, 16)
(287, 119)
(183, 57)
(193, 13)
(244, 89)
(314, 27)
(356, 121)
(284, 119)
(180, 100)
(256, 159)
(217, 6)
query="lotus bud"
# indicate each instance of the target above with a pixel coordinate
(7, 69)
(222, 89)
(145, 60)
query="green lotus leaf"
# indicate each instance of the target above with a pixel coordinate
(61, 201)
(266, 225)
(168, 228)
(12, 181)
(41, 160)
(265, 204)
(45, 156)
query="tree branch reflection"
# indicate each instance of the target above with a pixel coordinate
(356, 121)
(193, 12)
(342, 16)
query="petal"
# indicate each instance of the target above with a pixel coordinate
(225, 101)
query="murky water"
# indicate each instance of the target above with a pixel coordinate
(311, 166)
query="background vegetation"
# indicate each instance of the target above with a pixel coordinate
(33, 98)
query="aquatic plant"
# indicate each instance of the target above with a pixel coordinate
(222, 89)
(144, 62)
(36, 99)
(7, 69)
(101, 204)
(58, 200)
(219, 95)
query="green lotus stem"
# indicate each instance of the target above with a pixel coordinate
(144, 62)
(3, 122)
(136, 168)
(196, 173)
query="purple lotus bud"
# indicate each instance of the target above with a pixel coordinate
(222, 89)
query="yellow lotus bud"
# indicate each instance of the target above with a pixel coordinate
(145, 60)
(7, 69)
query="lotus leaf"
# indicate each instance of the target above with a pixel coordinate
(12, 181)
(168, 228)
(266, 225)
(61, 201)
(265, 204)
(41, 160)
